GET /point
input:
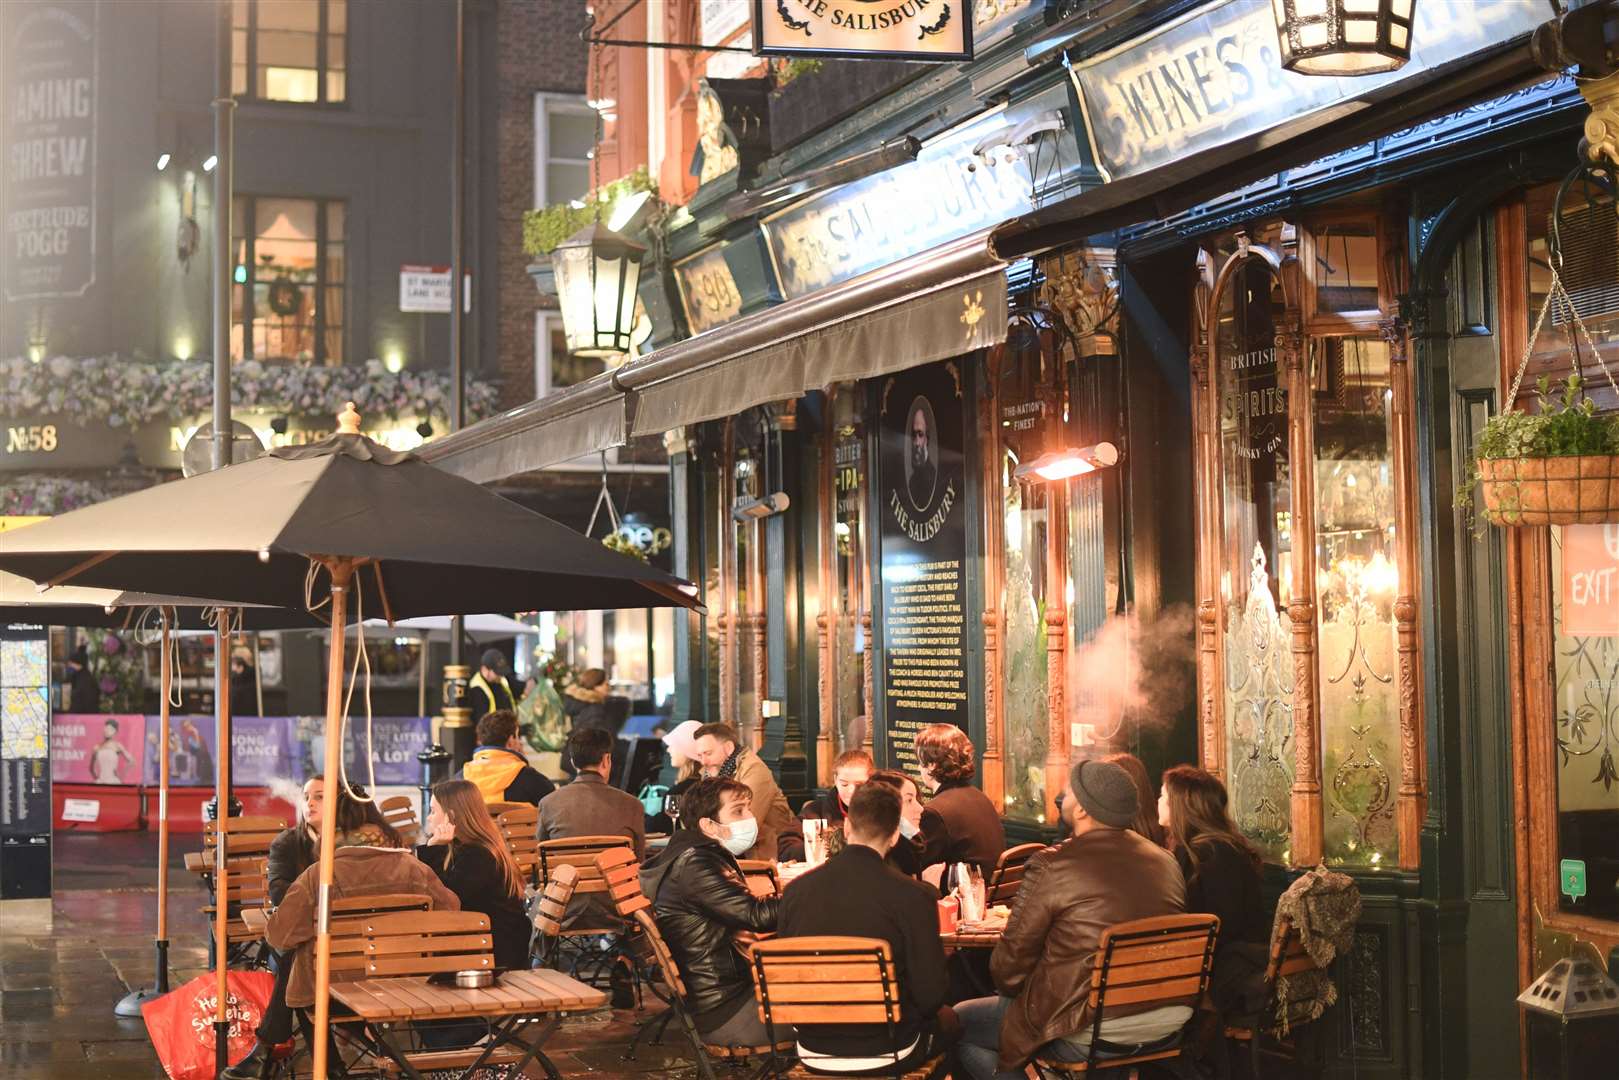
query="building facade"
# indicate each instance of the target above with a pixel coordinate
(1126, 408)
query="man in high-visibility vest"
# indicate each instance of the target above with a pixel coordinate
(488, 691)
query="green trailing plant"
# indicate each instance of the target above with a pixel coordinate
(1565, 423)
(545, 230)
(786, 71)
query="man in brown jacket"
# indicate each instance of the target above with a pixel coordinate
(1106, 874)
(723, 755)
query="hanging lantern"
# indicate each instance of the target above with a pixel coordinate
(1343, 37)
(597, 274)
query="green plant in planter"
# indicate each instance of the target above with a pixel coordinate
(545, 230)
(1564, 425)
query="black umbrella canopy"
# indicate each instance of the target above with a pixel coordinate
(22, 600)
(436, 544)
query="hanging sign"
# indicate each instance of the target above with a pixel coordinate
(864, 29)
(49, 191)
(923, 533)
(1213, 77)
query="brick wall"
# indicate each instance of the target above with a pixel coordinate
(538, 49)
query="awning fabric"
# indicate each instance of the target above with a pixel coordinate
(942, 303)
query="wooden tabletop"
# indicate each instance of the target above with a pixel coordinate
(524, 992)
(199, 862)
(974, 937)
(256, 919)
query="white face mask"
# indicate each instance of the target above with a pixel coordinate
(908, 828)
(744, 833)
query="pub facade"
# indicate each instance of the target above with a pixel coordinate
(1151, 440)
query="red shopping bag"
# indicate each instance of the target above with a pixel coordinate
(181, 1023)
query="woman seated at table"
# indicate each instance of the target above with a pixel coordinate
(906, 855)
(369, 862)
(959, 823)
(471, 858)
(1222, 872)
(701, 901)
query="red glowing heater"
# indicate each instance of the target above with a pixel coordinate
(1062, 464)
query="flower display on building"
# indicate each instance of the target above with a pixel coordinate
(43, 495)
(117, 669)
(122, 392)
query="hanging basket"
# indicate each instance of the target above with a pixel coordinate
(1550, 491)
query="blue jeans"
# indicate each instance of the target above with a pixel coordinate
(979, 1049)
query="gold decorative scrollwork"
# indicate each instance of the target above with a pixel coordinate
(1082, 286)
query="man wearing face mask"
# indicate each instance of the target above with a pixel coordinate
(700, 901)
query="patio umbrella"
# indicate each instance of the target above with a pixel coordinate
(438, 627)
(68, 605)
(369, 522)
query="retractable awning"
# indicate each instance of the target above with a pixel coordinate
(941, 303)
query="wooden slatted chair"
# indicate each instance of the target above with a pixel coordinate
(762, 877)
(1007, 877)
(1145, 964)
(622, 873)
(1255, 1034)
(805, 981)
(590, 914)
(520, 828)
(244, 836)
(245, 886)
(499, 807)
(400, 812)
(350, 916)
(550, 907)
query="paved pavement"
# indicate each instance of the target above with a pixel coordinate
(65, 962)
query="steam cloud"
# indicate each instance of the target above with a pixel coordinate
(1132, 672)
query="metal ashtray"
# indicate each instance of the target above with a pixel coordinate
(474, 979)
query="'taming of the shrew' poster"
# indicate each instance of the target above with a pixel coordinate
(923, 528)
(873, 29)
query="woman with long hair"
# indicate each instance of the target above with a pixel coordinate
(1146, 822)
(1222, 872)
(470, 856)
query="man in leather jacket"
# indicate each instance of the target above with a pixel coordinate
(1107, 874)
(700, 901)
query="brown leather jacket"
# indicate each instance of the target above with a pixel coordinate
(1069, 895)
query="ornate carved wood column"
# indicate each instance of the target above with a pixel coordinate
(831, 667)
(1206, 471)
(1057, 729)
(1306, 802)
(1411, 796)
(870, 672)
(729, 629)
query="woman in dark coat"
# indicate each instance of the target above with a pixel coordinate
(469, 855)
(959, 823)
(1222, 872)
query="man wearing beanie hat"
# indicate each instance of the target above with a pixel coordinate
(1106, 874)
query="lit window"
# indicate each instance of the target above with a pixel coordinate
(290, 50)
(564, 136)
(289, 272)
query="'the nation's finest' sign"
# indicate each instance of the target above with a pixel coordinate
(865, 29)
(49, 193)
(1213, 76)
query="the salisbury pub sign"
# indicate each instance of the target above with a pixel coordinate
(864, 29)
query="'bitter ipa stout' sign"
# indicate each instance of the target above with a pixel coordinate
(869, 29)
(49, 196)
(924, 555)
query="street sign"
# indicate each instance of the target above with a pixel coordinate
(427, 289)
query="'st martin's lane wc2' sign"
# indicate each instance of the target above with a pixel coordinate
(865, 29)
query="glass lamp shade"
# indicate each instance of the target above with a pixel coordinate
(597, 274)
(1343, 37)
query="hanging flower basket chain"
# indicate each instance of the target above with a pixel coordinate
(1560, 466)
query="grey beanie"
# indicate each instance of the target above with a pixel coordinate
(1106, 792)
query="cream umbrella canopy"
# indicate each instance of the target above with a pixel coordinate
(351, 520)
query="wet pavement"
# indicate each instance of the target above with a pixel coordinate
(65, 962)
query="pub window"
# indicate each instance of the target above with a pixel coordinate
(554, 366)
(564, 140)
(288, 279)
(1026, 410)
(1326, 527)
(290, 50)
(850, 603)
(1255, 527)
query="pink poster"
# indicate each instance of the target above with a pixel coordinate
(95, 748)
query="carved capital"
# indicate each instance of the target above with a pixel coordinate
(1392, 330)
(1082, 286)
(1290, 341)
(1602, 126)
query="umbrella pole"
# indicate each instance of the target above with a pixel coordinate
(222, 801)
(421, 678)
(130, 1004)
(342, 570)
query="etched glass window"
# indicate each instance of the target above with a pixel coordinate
(849, 567)
(1256, 530)
(1585, 616)
(1356, 584)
